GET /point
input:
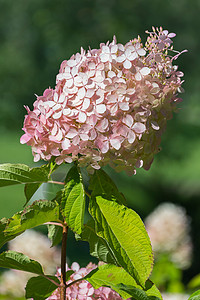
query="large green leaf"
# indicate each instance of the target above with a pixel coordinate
(99, 247)
(38, 213)
(195, 296)
(102, 185)
(40, 288)
(73, 200)
(138, 294)
(42, 174)
(11, 174)
(125, 233)
(118, 279)
(19, 261)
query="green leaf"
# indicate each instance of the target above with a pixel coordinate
(194, 282)
(40, 288)
(195, 296)
(102, 185)
(99, 247)
(126, 235)
(117, 279)
(73, 200)
(68, 274)
(138, 294)
(11, 174)
(38, 213)
(42, 174)
(19, 261)
(55, 234)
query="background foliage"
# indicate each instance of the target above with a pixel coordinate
(36, 35)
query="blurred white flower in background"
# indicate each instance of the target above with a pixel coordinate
(176, 296)
(36, 246)
(168, 227)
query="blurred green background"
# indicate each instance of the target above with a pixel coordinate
(37, 35)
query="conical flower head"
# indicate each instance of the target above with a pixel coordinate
(109, 106)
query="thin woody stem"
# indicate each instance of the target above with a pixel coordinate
(55, 223)
(63, 263)
(56, 182)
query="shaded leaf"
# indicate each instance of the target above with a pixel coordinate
(126, 235)
(117, 279)
(19, 261)
(42, 174)
(138, 294)
(55, 234)
(11, 174)
(38, 213)
(99, 247)
(40, 288)
(73, 200)
(102, 185)
(68, 274)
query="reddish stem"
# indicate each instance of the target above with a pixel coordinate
(63, 263)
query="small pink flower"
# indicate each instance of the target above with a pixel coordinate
(83, 290)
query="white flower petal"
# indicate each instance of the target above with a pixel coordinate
(55, 129)
(57, 115)
(74, 71)
(121, 58)
(75, 267)
(114, 49)
(101, 108)
(139, 127)
(155, 125)
(55, 97)
(66, 144)
(131, 137)
(141, 52)
(138, 76)
(124, 106)
(61, 98)
(86, 103)
(127, 64)
(71, 133)
(128, 120)
(104, 57)
(71, 62)
(66, 111)
(50, 103)
(115, 143)
(132, 56)
(82, 117)
(56, 107)
(105, 49)
(81, 93)
(145, 71)
(59, 135)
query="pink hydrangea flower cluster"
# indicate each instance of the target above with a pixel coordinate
(83, 290)
(109, 106)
